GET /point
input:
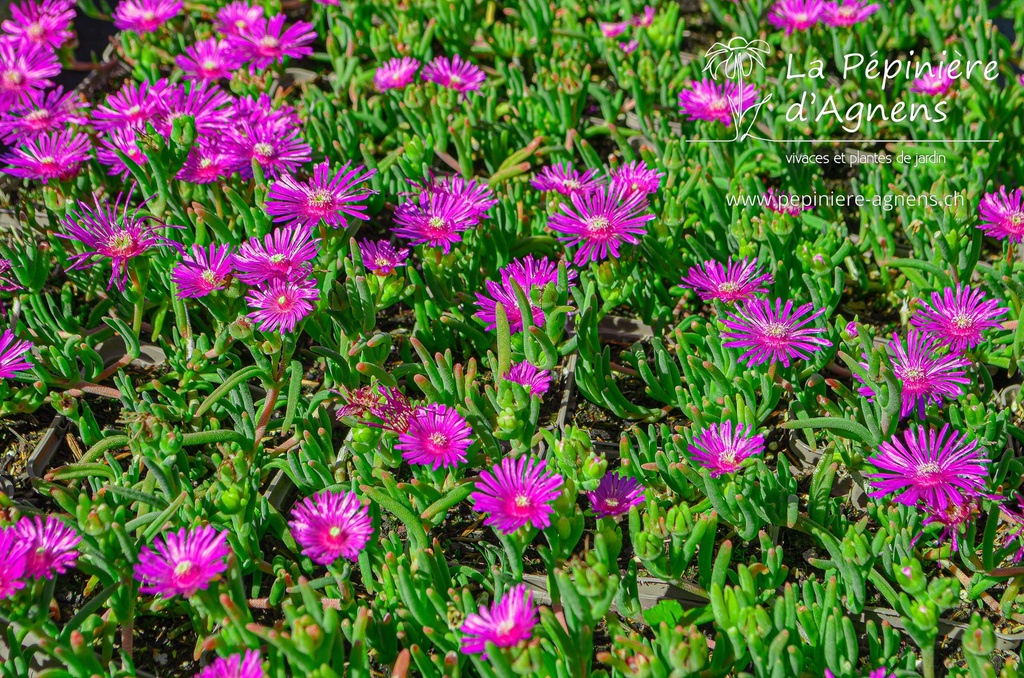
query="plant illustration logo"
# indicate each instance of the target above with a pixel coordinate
(736, 60)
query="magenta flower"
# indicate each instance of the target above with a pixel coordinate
(395, 73)
(283, 254)
(954, 518)
(614, 29)
(182, 562)
(933, 83)
(205, 270)
(51, 111)
(736, 281)
(133, 106)
(51, 546)
(530, 274)
(324, 196)
(477, 195)
(12, 574)
(145, 16)
(796, 15)
(516, 493)
(562, 178)
(46, 24)
(783, 203)
(931, 467)
(1002, 214)
(924, 373)
(636, 177)
(7, 281)
(206, 104)
(281, 304)
(331, 525)
(392, 408)
(508, 622)
(110, 232)
(209, 59)
(615, 495)
(958, 317)
(599, 222)
(535, 380)
(645, 20)
(436, 219)
(275, 145)
(629, 47)
(235, 666)
(722, 449)
(262, 110)
(24, 69)
(12, 355)
(206, 163)
(846, 13)
(773, 333)
(265, 43)
(707, 100)
(54, 155)
(124, 140)
(381, 257)
(438, 436)
(238, 18)
(454, 73)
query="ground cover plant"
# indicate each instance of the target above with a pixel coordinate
(526, 338)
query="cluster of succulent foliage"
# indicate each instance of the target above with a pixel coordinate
(377, 246)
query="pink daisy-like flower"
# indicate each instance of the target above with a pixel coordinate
(209, 59)
(958, 317)
(265, 43)
(438, 437)
(629, 47)
(924, 373)
(954, 518)
(263, 110)
(773, 333)
(331, 197)
(55, 155)
(708, 100)
(722, 449)
(51, 546)
(477, 195)
(133, 106)
(124, 141)
(281, 304)
(12, 355)
(783, 203)
(24, 69)
(183, 562)
(933, 83)
(645, 20)
(12, 574)
(46, 23)
(516, 493)
(110, 232)
(389, 405)
(454, 73)
(636, 177)
(235, 666)
(600, 221)
(1002, 214)
(275, 145)
(614, 29)
(145, 16)
(436, 219)
(50, 111)
(205, 270)
(530, 274)
(380, 257)
(508, 622)
(929, 466)
(206, 163)
(238, 18)
(615, 495)
(796, 15)
(283, 254)
(562, 178)
(736, 281)
(847, 13)
(331, 525)
(395, 73)
(206, 104)
(535, 380)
